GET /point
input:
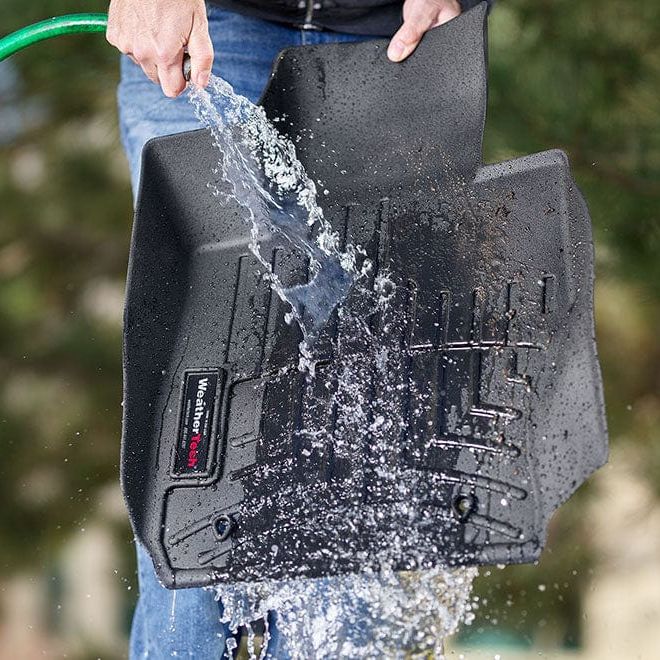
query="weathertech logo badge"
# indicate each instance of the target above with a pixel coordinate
(196, 425)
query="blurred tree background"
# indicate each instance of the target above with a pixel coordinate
(583, 76)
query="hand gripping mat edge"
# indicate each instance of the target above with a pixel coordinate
(487, 337)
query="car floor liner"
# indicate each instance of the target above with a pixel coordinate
(476, 405)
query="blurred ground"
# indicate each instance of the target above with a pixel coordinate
(581, 76)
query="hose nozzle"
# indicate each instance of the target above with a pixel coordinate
(186, 67)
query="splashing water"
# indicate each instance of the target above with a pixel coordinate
(260, 170)
(390, 615)
(377, 613)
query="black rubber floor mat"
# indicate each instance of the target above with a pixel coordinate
(233, 467)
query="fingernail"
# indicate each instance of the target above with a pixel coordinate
(395, 51)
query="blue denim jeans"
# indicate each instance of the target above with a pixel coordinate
(244, 52)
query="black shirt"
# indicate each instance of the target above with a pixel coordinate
(371, 17)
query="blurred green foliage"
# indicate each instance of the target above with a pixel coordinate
(65, 218)
(583, 76)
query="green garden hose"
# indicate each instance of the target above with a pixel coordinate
(52, 27)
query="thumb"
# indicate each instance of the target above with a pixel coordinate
(418, 21)
(200, 50)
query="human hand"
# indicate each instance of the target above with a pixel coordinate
(154, 33)
(419, 16)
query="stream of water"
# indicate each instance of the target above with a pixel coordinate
(259, 170)
(384, 614)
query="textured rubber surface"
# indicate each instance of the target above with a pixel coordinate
(493, 268)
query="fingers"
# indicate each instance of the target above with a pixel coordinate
(170, 72)
(150, 70)
(406, 39)
(162, 64)
(200, 49)
(154, 33)
(419, 17)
